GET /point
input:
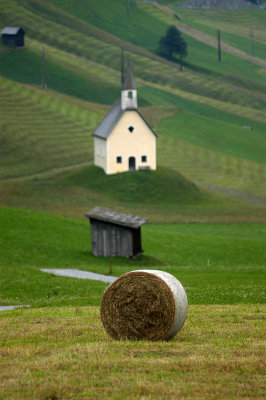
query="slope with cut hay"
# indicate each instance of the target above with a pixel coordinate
(68, 37)
(39, 133)
(219, 106)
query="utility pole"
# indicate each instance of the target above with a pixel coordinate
(122, 65)
(219, 45)
(129, 8)
(252, 51)
(43, 68)
(181, 53)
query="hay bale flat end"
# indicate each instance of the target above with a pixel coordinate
(144, 305)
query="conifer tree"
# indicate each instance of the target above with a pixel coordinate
(172, 43)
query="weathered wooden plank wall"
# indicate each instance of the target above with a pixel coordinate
(110, 240)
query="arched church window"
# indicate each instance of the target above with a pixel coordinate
(130, 95)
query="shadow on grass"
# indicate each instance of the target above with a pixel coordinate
(138, 262)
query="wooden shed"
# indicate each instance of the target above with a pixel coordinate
(114, 233)
(13, 36)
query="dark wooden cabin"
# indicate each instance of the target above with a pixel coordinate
(114, 233)
(13, 36)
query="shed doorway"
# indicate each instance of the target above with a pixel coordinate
(132, 163)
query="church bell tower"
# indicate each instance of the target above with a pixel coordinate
(129, 91)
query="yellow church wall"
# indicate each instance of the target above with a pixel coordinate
(125, 144)
(100, 153)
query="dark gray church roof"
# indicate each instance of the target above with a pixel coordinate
(108, 123)
(11, 30)
(111, 119)
(129, 82)
(117, 218)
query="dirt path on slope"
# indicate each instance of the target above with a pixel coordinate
(236, 194)
(210, 40)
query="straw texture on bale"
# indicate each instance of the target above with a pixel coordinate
(144, 305)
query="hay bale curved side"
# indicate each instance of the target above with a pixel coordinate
(144, 305)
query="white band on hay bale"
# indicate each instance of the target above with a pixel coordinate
(144, 305)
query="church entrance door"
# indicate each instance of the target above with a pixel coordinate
(132, 163)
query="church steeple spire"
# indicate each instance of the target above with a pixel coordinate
(129, 91)
(129, 82)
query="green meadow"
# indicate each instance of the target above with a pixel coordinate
(205, 203)
(219, 264)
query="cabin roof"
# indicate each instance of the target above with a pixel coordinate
(11, 30)
(106, 126)
(117, 218)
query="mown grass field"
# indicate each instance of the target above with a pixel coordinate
(64, 353)
(206, 203)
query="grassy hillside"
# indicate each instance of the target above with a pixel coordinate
(121, 18)
(225, 138)
(242, 40)
(70, 38)
(86, 88)
(39, 134)
(234, 22)
(206, 137)
(162, 187)
(180, 126)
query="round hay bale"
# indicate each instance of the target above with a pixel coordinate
(144, 305)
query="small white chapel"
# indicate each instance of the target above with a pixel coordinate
(124, 141)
